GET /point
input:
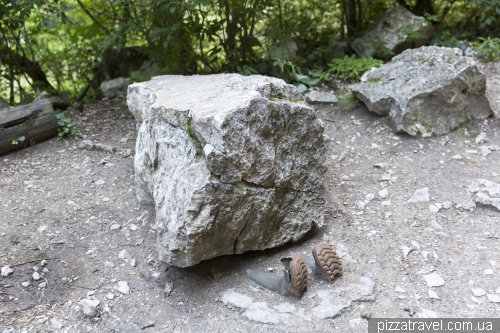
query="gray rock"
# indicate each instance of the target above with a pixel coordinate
(169, 286)
(114, 88)
(433, 294)
(283, 313)
(122, 287)
(89, 306)
(211, 149)
(420, 195)
(6, 270)
(486, 192)
(56, 324)
(481, 138)
(435, 225)
(406, 250)
(433, 280)
(89, 145)
(427, 91)
(478, 292)
(334, 301)
(383, 194)
(321, 97)
(391, 34)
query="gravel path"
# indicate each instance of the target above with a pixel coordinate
(83, 259)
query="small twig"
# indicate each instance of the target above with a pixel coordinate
(173, 327)
(330, 120)
(148, 325)
(31, 261)
(19, 310)
(83, 287)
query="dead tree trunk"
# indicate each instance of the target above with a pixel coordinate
(35, 122)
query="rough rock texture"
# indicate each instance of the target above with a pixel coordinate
(231, 163)
(427, 91)
(397, 30)
(114, 88)
(492, 85)
(486, 192)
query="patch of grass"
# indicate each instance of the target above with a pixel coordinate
(347, 100)
(352, 68)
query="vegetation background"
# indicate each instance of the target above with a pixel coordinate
(68, 47)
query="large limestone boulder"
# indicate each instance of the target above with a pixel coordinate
(395, 31)
(427, 91)
(231, 163)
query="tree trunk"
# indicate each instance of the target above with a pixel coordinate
(25, 65)
(35, 122)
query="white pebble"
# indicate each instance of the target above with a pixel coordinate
(6, 270)
(434, 280)
(478, 292)
(433, 294)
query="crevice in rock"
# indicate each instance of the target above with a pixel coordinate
(241, 231)
(253, 185)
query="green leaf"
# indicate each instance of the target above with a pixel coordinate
(301, 88)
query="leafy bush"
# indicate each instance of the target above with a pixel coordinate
(488, 49)
(351, 68)
(66, 126)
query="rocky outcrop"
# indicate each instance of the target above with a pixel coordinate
(427, 91)
(231, 163)
(397, 30)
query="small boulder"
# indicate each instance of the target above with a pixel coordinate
(115, 88)
(486, 192)
(397, 30)
(321, 97)
(427, 91)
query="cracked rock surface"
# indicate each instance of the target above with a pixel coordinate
(230, 163)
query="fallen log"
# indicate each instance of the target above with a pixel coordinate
(26, 124)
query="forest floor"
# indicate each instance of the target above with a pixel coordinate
(75, 237)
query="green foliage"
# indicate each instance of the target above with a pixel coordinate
(489, 9)
(66, 126)
(488, 49)
(352, 68)
(19, 140)
(56, 45)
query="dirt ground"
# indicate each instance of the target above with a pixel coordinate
(70, 215)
